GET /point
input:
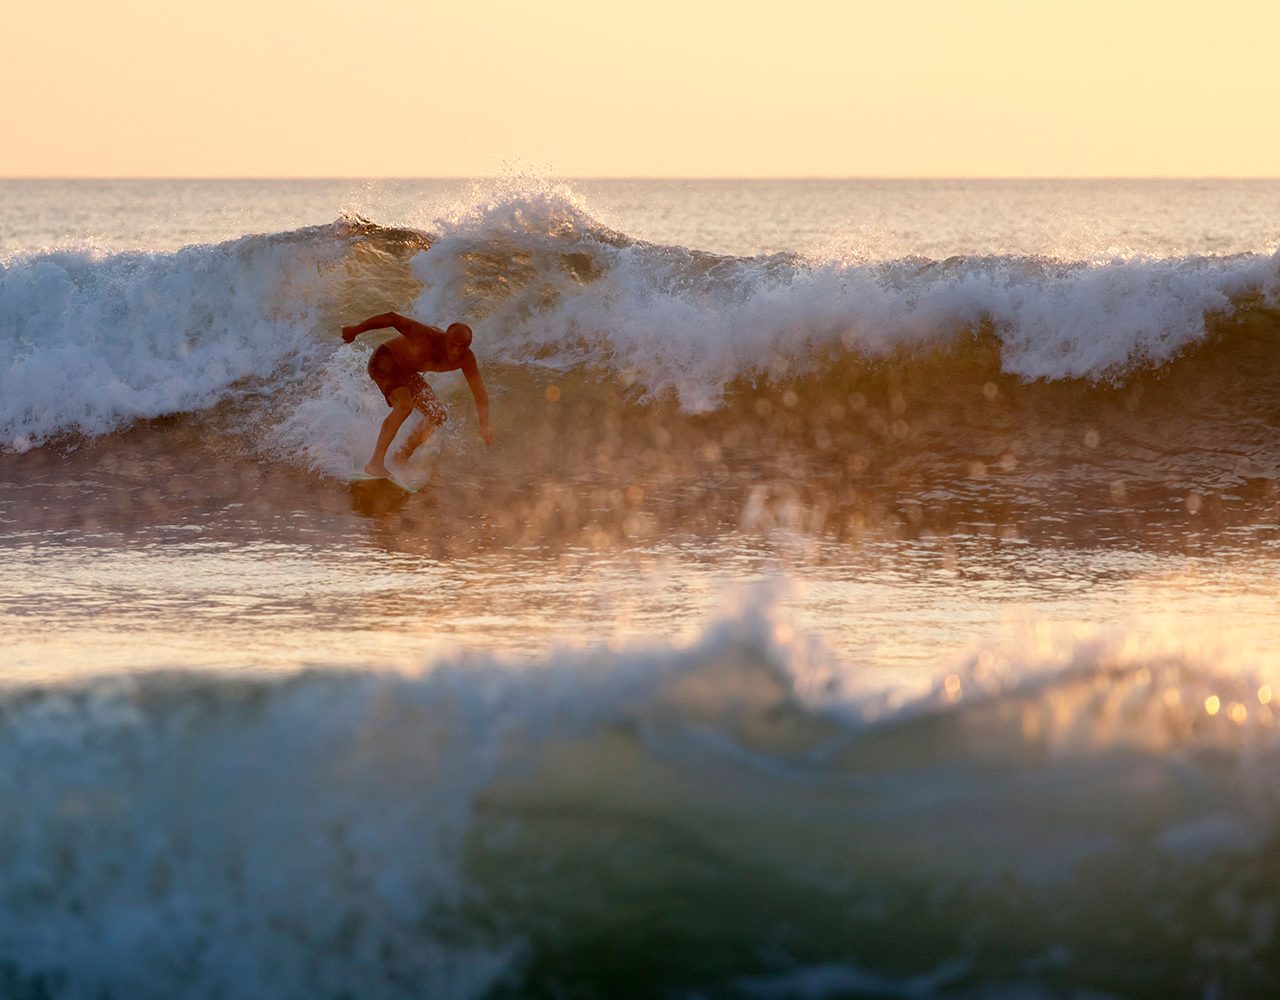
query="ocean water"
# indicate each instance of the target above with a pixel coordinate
(871, 592)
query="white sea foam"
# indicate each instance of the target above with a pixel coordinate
(551, 284)
(93, 341)
(333, 426)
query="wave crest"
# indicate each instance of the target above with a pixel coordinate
(96, 341)
(551, 286)
(484, 823)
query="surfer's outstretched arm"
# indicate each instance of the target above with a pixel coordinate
(471, 371)
(380, 322)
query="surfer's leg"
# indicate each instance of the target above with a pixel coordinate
(433, 415)
(417, 438)
(401, 406)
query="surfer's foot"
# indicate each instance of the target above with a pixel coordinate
(378, 469)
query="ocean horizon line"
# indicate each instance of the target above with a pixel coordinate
(675, 178)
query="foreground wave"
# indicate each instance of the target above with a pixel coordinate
(736, 817)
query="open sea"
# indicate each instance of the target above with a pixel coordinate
(871, 592)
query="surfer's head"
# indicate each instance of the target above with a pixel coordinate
(458, 337)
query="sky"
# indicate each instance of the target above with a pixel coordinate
(696, 88)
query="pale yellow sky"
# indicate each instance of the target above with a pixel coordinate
(410, 88)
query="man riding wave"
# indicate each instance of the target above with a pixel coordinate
(396, 368)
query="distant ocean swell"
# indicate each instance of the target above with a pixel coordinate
(736, 817)
(94, 342)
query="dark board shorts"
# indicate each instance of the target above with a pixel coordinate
(388, 374)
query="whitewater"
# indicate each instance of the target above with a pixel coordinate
(871, 592)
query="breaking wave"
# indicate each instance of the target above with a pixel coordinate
(557, 288)
(738, 816)
(97, 341)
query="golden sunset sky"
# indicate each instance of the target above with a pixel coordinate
(417, 88)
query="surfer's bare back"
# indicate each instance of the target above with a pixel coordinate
(396, 368)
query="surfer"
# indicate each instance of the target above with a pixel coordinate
(396, 368)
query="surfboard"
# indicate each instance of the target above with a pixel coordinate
(364, 477)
